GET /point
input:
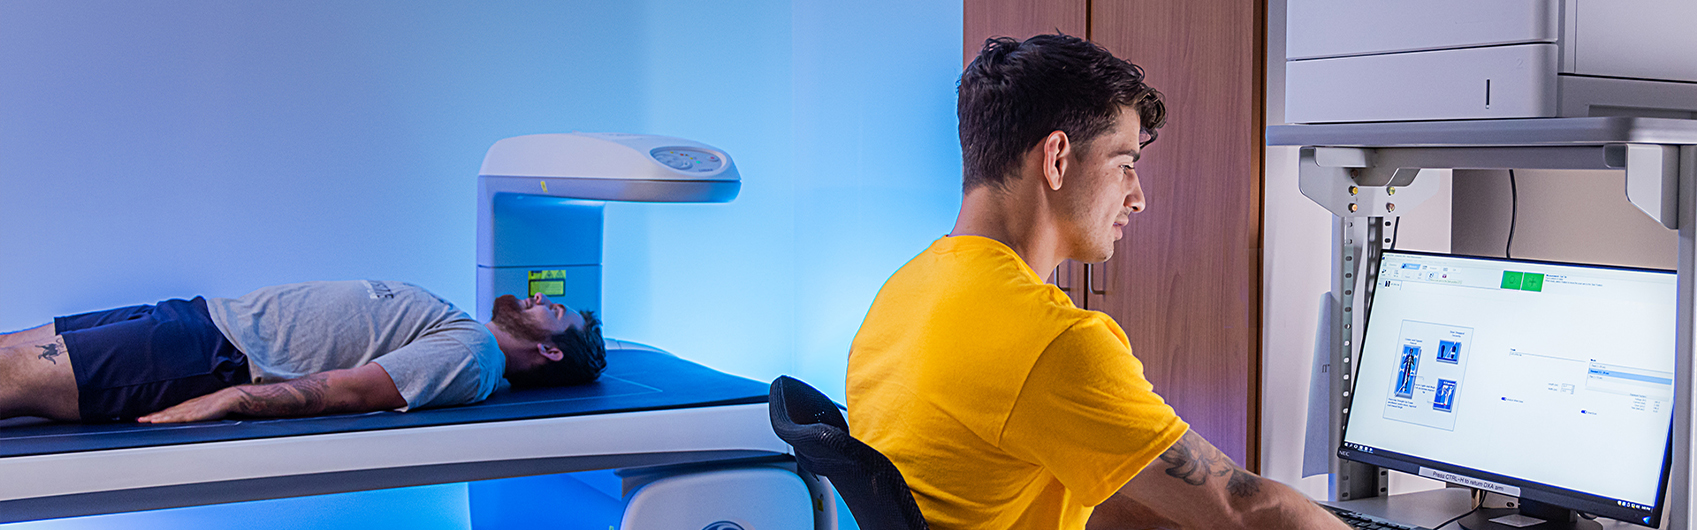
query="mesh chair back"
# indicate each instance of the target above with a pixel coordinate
(869, 483)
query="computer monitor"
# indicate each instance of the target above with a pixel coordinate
(1549, 382)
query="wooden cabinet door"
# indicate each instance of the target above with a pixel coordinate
(1019, 19)
(1185, 281)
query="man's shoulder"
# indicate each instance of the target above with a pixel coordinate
(1092, 343)
(1093, 326)
(968, 271)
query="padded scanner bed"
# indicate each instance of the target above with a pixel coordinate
(649, 408)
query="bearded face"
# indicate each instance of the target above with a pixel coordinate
(509, 314)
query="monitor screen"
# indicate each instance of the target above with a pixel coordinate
(1545, 381)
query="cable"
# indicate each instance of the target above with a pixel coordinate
(1514, 213)
(1454, 519)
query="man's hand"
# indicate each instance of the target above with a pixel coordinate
(364, 389)
(204, 408)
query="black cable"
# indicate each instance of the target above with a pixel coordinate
(1397, 227)
(1514, 213)
(1456, 518)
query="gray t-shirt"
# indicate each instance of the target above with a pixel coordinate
(436, 354)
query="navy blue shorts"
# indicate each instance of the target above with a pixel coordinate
(136, 360)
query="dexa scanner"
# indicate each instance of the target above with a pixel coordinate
(693, 445)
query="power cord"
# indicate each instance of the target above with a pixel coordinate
(1456, 518)
(1514, 213)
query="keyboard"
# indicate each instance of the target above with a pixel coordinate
(1367, 522)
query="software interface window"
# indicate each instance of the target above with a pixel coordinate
(1426, 385)
(1461, 355)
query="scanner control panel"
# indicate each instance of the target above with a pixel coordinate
(688, 160)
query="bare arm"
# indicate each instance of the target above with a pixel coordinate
(1121, 512)
(1194, 485)
(364, 389)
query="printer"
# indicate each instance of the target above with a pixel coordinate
(1405, 60)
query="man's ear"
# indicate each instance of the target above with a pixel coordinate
(1057, 153)
(550, 352)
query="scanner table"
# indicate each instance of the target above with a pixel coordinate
(648, 409)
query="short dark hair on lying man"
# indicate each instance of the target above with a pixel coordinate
(1016, 93)
(585, 358)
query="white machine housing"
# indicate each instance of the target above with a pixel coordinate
(539, 222)
(539, 212)
(1404, 60)
(615, 167)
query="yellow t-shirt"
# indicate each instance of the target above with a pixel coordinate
(1003, 405)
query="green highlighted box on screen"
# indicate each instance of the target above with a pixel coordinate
(1524, 281)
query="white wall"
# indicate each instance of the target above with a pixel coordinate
(160, 150)
(1574, 215)
(1295, 268)
(151, 150)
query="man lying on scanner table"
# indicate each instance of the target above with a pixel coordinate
(291, 350)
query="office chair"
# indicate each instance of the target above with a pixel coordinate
(869, 484)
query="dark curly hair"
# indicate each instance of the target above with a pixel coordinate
(1015, 93)
(585, 358)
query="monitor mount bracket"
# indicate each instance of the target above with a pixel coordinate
(1375, 182)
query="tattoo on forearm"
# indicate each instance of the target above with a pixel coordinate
(1193, 460)
(50, 352)
(299, 397)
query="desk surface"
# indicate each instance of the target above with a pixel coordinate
(1431, 508)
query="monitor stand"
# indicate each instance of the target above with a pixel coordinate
(1553, 517)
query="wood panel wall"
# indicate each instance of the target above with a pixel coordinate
(1185, 282)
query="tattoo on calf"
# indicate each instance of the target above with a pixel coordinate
(1193, 460)
(50, 352)
(299, 397)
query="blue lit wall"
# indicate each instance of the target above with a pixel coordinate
(166, 149)
(841, 118)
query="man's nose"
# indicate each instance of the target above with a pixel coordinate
(1134, 200)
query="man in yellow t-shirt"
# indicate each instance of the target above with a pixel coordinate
(1003, 405)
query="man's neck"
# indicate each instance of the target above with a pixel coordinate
(1021, 223)
(505, 341)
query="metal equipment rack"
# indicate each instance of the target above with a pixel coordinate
(1362, 172)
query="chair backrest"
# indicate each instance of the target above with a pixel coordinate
(869, 483)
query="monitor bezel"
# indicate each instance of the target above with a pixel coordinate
(1547, 493)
